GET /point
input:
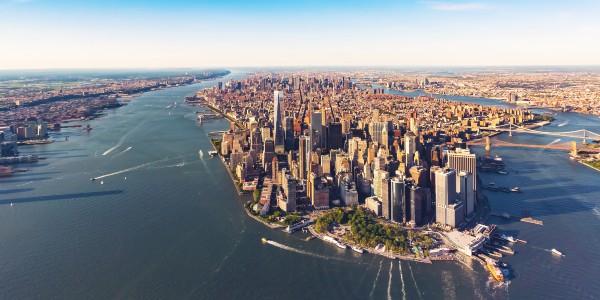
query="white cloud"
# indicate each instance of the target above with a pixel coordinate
(457, 6)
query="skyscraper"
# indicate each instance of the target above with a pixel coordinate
(410, 147)
(316, 129)
(464, 160)
(277, 126)
(464, 188)
(398, 198)
(445, 193)
(302, 158)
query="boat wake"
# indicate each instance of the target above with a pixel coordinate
(292, 249)
(412, 275)
(129, 169)
(122, 139)
(389, 289)
(554, 142)
(375, 281)
(113, 148)
(563, 124)
(402, 280)
(596, 212)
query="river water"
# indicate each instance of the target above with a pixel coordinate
(165, 222)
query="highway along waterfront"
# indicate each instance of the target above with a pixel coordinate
(163, 221)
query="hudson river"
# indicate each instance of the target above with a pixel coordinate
(165, 222)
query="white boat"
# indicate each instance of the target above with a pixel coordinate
(357, 249)
(341, 245)
(101, 181)
(212, 152)
(556, 252)
(502, 172)
(12, 204)
(508, 238)
(516, 189)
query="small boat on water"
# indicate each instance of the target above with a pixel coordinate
(516, 189)
(502, 172)
(263, 240)
(508, 238)
(101, 181)
(212, 152)
(495, 271)
(556, 252)
(357, 249)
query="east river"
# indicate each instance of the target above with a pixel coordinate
(165, 222)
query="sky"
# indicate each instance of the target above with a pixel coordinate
(48, 34)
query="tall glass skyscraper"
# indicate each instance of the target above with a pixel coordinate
(277, 126)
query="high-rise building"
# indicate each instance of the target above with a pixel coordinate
(445, 193)
(289, 133)
(303, 146)
(277, 126)
(417, 205)
(398, 200)
(410, 148)
(316, 129)
(335, 140)
(464, 188)
(464, 160)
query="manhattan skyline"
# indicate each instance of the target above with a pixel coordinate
(40, 34)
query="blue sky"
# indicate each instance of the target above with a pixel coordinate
(161, 34)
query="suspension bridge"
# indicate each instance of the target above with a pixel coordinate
(583, 134)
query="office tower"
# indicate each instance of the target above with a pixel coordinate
(464, 188)
(464, 160)
(335, 140)
(417, 205)
(326, 164)
(289, 190)
(277, 126)
(445, 193)
(303, 143)
(289, 133)
(398, 200)
(379, 132)
(381, 189)
(316, 130)
(410, 148)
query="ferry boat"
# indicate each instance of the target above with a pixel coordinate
(556, 252)
(357, 249)
(495, 271)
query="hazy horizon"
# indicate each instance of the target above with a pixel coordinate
(67, 34)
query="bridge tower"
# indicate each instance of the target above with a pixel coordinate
(585, 136)
(510, 129)
(488, 146)
(573, 148)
